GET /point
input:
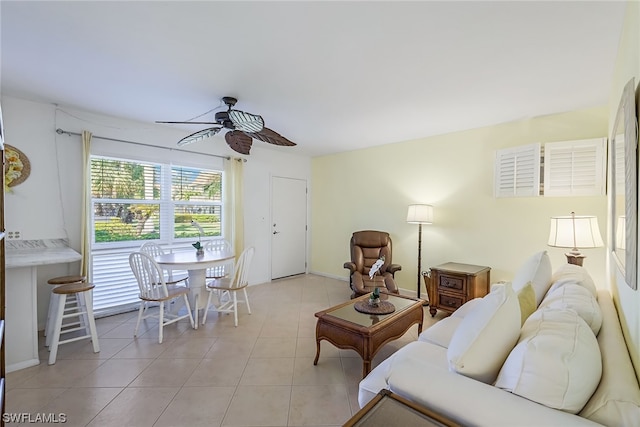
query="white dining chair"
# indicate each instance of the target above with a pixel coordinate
(154, 289)
(153, 249)
(223, 270)
(228, 287)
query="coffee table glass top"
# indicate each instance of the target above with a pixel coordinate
(349, 313)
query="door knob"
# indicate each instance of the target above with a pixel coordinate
(276, 232)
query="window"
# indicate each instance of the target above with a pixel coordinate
(133, 202)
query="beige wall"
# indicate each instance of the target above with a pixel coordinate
(627, 66)
(371, 189)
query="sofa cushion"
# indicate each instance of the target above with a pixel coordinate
(571, 273)
(441, 333)
(466, 308)
(415, 356)
(537, 270)
(616, 401)
(486, 335)
(527, 301)
(556, 362)
(577, 298)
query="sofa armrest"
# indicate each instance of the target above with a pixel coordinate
(472, 403)
(351, 266)
(392, 268)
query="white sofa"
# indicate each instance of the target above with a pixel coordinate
(544, 350)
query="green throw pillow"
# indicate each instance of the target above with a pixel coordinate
(527, 300)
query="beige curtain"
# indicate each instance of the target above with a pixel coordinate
(233, 224)
(85, 236)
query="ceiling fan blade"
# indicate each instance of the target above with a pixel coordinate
(238, 141)
(246, 122)
(197, 136)
(271, 136)
(189, 123)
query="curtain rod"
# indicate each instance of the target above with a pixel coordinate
(60, 132)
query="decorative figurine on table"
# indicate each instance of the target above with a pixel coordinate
(198, 244)
(376, 267)
(374, 299)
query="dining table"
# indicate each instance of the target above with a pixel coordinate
(196, 266)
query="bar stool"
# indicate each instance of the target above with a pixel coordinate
(57, 281)
(78, 289)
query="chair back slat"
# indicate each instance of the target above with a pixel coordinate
(152, 248)
(148, 275)
(217, 245)
(241, 270)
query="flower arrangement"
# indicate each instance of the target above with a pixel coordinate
(198, 244)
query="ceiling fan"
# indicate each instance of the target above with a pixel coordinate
(243, 128)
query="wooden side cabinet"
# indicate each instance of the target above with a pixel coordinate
(452, 284)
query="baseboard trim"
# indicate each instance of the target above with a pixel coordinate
(330, 276)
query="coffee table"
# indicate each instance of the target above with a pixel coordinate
(345, 327)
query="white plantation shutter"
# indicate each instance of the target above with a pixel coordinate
(574, 168)
(117, 287)
(517, 171)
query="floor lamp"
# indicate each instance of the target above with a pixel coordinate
(420, 214)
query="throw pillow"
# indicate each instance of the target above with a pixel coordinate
(486, 335)
(577, 298)
(527, 301)
(556, 362)
(571, 273)
(537, 270)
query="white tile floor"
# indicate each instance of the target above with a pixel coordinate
(258, 374)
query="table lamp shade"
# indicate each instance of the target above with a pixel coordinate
(575, 232)
(420, 214)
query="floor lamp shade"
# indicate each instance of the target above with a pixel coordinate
(420, 214)
(575, 232)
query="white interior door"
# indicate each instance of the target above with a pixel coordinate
(288, 227)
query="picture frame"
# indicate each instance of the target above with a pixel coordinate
(624, 185)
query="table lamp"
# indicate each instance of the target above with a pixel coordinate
(575, 232)
(420, 214)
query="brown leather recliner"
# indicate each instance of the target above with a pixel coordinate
(367, 247)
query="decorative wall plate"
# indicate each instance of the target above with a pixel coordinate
(17, 166)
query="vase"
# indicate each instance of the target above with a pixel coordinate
(200, 252)
(374, 302)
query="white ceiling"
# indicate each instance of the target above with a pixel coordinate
(331, 76)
